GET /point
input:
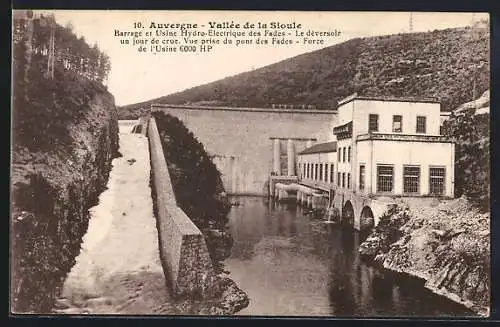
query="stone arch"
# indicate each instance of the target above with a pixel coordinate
(347, 214)
(366, 219)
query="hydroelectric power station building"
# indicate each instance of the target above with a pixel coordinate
(380, 148)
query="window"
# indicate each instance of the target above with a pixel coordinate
(373, 123)
(420, 124)
(343, 154)
(411, 179)
(331, 172)
(320, 172)
(436, 180)
(349, 154)
(397, 123)
(343, 179)
(384, 178)
(338, 154)
(315, 171)
(338, 179)
(304, 171)
(326, 172)
(362, 177)
(348, 180)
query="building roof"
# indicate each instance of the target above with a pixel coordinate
(356, 96)
(321, 148)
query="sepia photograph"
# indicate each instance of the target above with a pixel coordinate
(250, 163)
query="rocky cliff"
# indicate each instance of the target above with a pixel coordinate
(52, 189)
(447, 245)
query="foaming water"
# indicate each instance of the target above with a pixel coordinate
(118, 269)
(290, 265)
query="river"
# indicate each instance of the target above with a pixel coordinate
(290, 265)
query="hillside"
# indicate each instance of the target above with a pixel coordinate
(64, 136)
(438, 64)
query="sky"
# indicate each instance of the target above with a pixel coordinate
(139, 77)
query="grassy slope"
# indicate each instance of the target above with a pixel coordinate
(434, 63)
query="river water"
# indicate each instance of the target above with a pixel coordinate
(290, 265)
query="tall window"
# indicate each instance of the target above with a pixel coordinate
(420, 124)
(326, 172)
(385, 176)
(362, 177)
(373, 123)
(315, 171)
(331, 172)
(338, 154)
(343, 179)
(436, 180)
(304, 170)
(397, 123)
(411, 179)
(343, 154)
(320, 172)
(349, 154)
(348, 180)
(338, 179)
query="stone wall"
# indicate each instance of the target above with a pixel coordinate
(184, 254)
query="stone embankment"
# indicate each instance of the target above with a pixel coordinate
(447, 245)
(186, 261)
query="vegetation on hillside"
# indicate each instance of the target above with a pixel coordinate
(44, 107)
(441, 64)
(196, 182)
(71, 52)
(471, 134)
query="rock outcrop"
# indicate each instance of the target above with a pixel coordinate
(480, 105)
(447, 245)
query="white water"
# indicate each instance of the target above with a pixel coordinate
(118, 269)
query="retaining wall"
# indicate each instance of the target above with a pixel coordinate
(184, 254)
(240, 139)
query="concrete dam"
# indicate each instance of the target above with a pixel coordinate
(243, 141)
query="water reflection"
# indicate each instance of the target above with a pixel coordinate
(291, 265)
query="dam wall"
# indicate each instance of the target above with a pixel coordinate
(184, 255)
(240, 140)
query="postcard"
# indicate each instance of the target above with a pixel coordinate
(251, 163)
